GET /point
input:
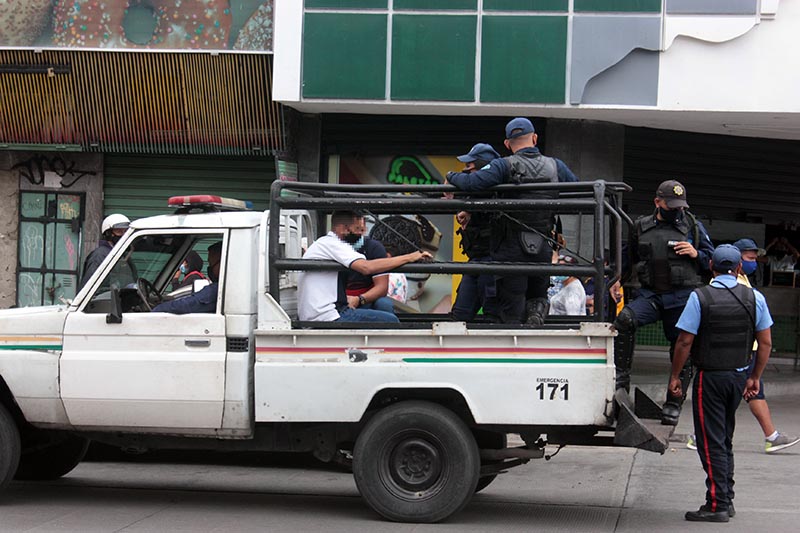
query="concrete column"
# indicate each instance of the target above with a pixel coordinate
(9, 231)
(304, 138)
(593, 150)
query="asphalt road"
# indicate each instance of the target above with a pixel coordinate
(581, 489)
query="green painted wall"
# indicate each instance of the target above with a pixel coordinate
(439, 5)
(538, 46)
(344, 56)
(526, 5)
(433, 57)
(347, 4)
(648, 6)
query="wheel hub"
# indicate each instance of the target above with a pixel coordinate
(416, 464)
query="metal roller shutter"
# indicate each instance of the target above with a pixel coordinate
(139, 185)
(726, 177)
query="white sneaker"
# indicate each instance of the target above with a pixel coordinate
(691, 443)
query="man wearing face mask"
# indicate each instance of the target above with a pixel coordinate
(369, 292)
(204, 300)
(191, 269)
(321, 295)
(774, 440)
(669, 249)
(112, 228)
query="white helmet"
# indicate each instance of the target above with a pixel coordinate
(115, 221)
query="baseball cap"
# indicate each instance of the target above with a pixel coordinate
(479, 152)
(726, 258)
(749, 244)
(522, 124)
(673, 193)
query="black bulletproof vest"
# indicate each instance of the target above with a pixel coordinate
(659, 268)
(475, 238)
(534, 168)
(724, 340)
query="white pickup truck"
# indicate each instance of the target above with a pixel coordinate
(422, 407)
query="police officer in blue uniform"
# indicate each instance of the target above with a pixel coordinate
(670, 251)
(475, 233)
(512, 239)
(717, 329)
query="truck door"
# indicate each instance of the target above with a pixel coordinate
(140, 369)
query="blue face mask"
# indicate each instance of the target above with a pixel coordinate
(358, 244)
(559, 279)
(183, 268)
(748, 267)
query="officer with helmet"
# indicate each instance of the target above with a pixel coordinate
(112, 228)
(670, 250)
(717, 329)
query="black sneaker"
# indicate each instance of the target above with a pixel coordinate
(704, 515)
(731, 510)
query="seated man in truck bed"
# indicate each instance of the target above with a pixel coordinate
(321, 295)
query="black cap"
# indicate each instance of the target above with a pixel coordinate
(673, 193)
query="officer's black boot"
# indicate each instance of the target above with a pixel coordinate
(671, 411)
(535, 311)
(624, 344)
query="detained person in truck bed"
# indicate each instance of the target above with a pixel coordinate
(321, 295)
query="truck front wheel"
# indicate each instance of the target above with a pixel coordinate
(9, 447)
(52, 460)
(416, 461)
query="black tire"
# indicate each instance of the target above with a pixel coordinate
(10, 447)
(492, 441)
(416, 461)
(51, 461)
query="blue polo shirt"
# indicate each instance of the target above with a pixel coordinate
(690, 318)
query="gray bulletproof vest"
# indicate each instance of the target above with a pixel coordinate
(534, 168)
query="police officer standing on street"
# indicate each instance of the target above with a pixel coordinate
(523, 237)
(669, 250)
(717, 328)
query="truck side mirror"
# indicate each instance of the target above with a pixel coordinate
(115, 316)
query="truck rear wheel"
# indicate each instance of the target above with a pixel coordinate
(416, 461)
(51, 461)
(9, 447)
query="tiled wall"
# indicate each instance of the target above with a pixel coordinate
(492, 51)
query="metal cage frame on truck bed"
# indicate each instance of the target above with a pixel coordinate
(598, 198)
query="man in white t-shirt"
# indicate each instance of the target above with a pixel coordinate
(321, 294)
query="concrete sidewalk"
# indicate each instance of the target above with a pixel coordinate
(651, 369)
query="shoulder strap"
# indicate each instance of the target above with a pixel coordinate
(695, 228)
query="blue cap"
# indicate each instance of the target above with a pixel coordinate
(522, 125)
(726, 258)
(479, 152)
(746, 244)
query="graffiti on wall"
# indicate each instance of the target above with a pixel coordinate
(36, 168)
(139, 25)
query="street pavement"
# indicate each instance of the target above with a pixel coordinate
(579, 489)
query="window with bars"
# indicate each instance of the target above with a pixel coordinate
(49, 258)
